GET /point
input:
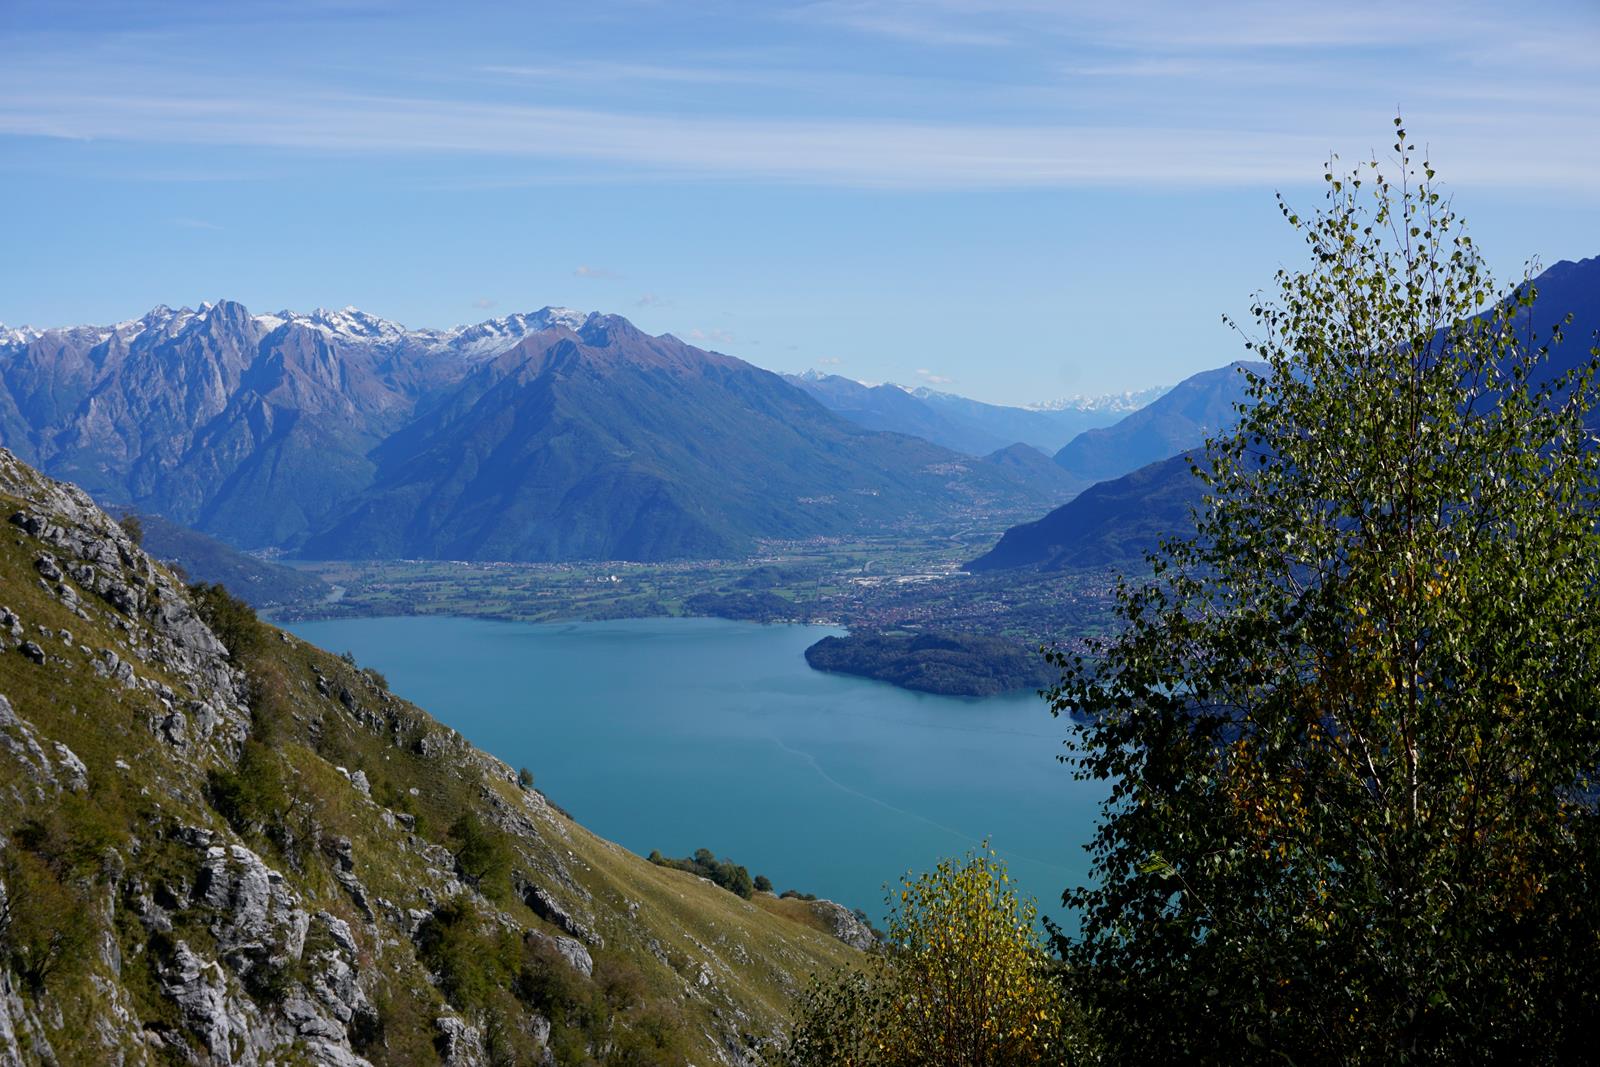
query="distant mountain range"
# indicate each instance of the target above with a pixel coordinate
(1181, 418)
(1119, 519)
(961, 424)
(1114, 522)
(547, 436)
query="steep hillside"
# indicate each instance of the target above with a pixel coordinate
(1114, 522)
(608, 443)
(1194, 409)
(221, 845)
(1567, 288)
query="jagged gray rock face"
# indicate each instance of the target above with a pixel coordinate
(845, 925)
(17, 1023)
(542, 904)
(259, 923)
(42, 775)
(462, 1045)
(570, 950)
(93, 556)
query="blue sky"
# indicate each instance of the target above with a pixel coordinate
(1016, 200)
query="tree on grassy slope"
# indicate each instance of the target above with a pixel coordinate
(963, 982)
(1352, 723)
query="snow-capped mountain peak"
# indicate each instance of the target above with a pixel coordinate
(1131, 400)
(495, 335)
(18, 335)
(348, 322)
(348, 325)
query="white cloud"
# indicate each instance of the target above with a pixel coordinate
(713, 336)
(1540, 149)
(1161, 94)
(611, 73)
(483, 303)
(933, 379)
(829, 361)
(596, 273)
(916, 23)
(195, 224)
(650, 300)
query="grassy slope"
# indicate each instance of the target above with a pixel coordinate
(723, 966)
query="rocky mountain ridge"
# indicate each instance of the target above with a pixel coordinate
(348, 431)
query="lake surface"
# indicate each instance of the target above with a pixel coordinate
(676, 734)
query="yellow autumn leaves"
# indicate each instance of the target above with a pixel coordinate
(963, 980)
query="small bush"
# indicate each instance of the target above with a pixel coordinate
(255, 800)
(724, 872)
(231, 619)
(45, 927)
(965, 983)
(133, 526)
(471, 964)
(482, 855)
(72, 837)
(763, 884)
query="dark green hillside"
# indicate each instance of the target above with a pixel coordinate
(1115, 522)
(1196, 408)
(205, 559)
(954, 664)
(219, 844)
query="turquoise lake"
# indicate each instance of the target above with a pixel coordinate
(677, 734)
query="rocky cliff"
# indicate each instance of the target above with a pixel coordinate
(220, 845)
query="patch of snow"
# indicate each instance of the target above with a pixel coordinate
(349, 324)
(1131, 400)
(18, 335)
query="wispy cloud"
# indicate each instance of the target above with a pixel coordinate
(829, 361)
(195, 224)
(888, 154)
(599, 274)
(718, 337)
(611, 73)
(483, 303)
(1157, 94)
(933, 379)
(917, 23)
(650, 300)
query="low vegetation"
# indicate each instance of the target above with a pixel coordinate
(733, 877)
(963, 980)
